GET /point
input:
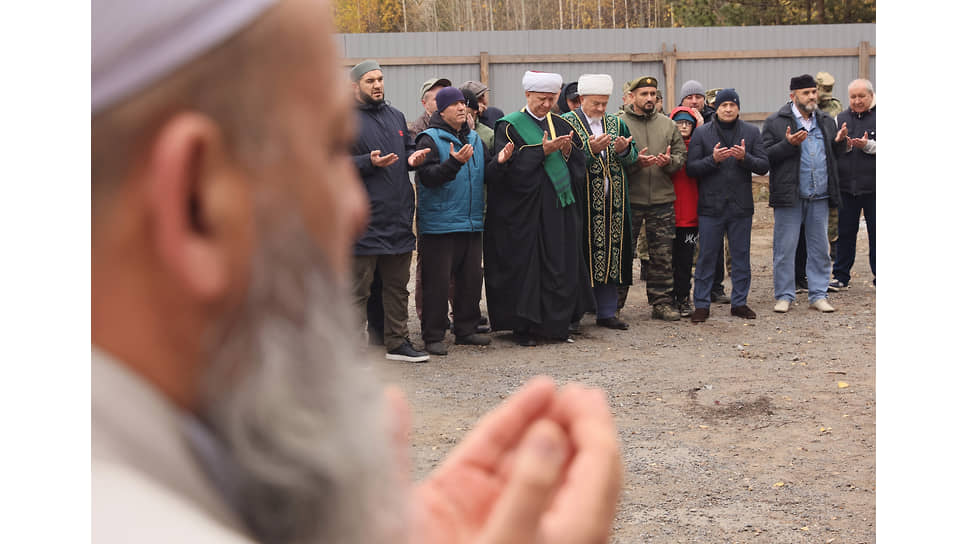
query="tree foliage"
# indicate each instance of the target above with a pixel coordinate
(355, 16)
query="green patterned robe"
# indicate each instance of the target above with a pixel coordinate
(607, 239)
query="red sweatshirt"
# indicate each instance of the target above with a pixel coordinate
(687, 193)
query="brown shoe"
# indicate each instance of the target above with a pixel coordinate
(743, 311)
(699, 315)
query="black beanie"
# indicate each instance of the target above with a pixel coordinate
(805, 81)
(727, 95)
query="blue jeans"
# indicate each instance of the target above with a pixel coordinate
(812, 214)
(606, 301)
(711, 229)
(850, 208)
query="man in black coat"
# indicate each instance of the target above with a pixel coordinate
(388, 242)
(799, 140)
(858, 183)
(723, 155)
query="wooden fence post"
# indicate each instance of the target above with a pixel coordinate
(864, 60)
(485, 68)
(669, 63)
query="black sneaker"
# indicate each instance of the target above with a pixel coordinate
(406, 353)
(473, 340)
(837, 286)
(802, 286)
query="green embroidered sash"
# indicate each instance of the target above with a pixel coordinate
(554, 164)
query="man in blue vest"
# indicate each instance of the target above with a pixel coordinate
(450, 197)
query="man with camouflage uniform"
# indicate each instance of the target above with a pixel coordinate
(651, 191)
(832, 107)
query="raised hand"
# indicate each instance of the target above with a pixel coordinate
(543, 467)
(860, 143)
(464, 154)
(842, 133)
(417, 157)
(662, 159)
(599, 143)
(622, 143)
(645, 159)
(739, 151)
(720, 154)
(505, 153)
(384, 161)
(698, 115)
(796, 138)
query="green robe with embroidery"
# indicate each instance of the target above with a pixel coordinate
(607, 235)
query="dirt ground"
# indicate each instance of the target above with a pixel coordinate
(732, 430)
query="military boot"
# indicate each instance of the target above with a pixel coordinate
(665, 312)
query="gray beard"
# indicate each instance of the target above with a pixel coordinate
(304, 424)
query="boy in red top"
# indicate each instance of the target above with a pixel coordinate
(687, 218)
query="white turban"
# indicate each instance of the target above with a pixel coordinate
(598, 84)
(135, 43)
(541, 82)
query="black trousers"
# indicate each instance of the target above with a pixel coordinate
(457, 255)
(683, 250)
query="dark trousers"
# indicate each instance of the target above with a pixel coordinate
(374, 307)
(454, 255)
(394, 274)
(850, 210)
(738, 231)
(720, 273)
(683, 251)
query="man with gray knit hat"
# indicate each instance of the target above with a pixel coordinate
(228, 399)
(428, 99)
(661, 152)
(800, 140)
(693, 95)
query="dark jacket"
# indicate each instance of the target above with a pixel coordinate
(857, 169)
(390, 231)
(785, 158)
(450, 194)
(730, 181)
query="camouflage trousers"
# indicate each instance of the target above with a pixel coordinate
(659, 221)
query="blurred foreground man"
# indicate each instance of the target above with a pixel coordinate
(227, 404)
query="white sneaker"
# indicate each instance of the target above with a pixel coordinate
(782, 306)
(823, 305)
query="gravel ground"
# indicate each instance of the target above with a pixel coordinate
(732, 430)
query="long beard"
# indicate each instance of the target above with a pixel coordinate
(304, 424)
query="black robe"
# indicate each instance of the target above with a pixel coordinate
(534, 272)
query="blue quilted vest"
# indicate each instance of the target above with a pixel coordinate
(458, 205)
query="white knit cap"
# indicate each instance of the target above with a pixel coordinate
(541, 82)
(597, 84)
(135, 43)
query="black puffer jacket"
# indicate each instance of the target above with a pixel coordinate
(858, 169)
(390, 231)
(785, 158)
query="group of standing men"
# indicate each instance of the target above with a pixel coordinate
(567, 196)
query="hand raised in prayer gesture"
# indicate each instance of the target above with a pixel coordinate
(599, 143)
(505, 153)
(698, 116)
(858, 143)
(417, 157)
(542, 467)
(464, 154)
(663, 159)
(384, 161)
(720, 154)
(739, 151)
(842, 133)
(645, 159)
(622, 143)
(561, 143)
(797, 137)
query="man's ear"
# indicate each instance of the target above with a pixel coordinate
(200, 208)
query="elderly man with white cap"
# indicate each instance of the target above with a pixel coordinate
(228, 403)
(536, 281)
(607, 235)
